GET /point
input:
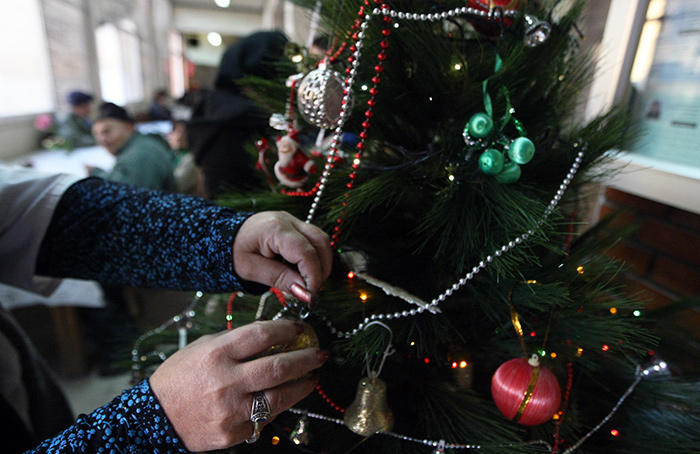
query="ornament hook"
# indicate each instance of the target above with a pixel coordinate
(388, 351)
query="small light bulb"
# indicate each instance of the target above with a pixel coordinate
(462, 364)
(297, 58)
(606, 348)
(580, 269)
(613, 310)
(451, 178)
(351, 275)
(363, 296)
(214, 39)
(458, 66)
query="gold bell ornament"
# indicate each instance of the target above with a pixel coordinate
(369, 413)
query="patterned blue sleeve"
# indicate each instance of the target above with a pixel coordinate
(120, 234)
(133, 423)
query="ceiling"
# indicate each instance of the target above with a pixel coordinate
(247, 6)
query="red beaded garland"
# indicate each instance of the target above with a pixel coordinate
(330, 402)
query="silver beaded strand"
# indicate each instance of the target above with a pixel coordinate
(350, 80)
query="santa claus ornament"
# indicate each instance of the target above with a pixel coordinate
(525, 391)
(293, 166)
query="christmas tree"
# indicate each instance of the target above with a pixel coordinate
(437, 142)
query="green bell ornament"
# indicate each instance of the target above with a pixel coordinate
(521, 150)
(510, 173)
(491, 162)
(480, 125)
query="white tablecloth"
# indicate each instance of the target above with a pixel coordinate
(73, 162)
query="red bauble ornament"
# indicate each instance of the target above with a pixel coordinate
(525, 391)
(492, 26)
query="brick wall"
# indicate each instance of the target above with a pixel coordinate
(663, 262)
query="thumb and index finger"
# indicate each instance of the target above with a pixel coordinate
(266, 237)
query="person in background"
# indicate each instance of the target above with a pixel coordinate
(199, 399)
(160, 107)
(185, 169)
(75, 129)
(141, 160)
(227, 118)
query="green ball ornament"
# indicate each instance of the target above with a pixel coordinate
(521, 150)
(491, 162)
(480, 125)
(510, 173)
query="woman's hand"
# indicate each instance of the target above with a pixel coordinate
(206, 389)
(266, 237)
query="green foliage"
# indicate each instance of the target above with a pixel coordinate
(424, 219)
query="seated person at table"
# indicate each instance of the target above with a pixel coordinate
(141, 160)
(75, 128)
(185, 169)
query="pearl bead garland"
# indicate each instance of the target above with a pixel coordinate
(432, 306)
(354, 60)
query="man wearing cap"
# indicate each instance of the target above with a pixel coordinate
(141, 160)
(75, 128)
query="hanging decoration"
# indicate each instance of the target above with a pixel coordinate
(499, 155)
(300, 435)
(293, 166)
(500, 16)
(525, 391)
(319, 97)
(536, 31)
(369, 413)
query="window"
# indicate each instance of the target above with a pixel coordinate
(25, 75)
(119, 58)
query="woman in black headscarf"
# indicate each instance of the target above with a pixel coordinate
(227, 119)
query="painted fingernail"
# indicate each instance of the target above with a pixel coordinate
(322, 355)
(300, 293)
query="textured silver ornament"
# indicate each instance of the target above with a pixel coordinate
(320, 96)
(536, 31)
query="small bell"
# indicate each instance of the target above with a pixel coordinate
(300, 435)
(369, 413)
(536, 31)
(440, 448)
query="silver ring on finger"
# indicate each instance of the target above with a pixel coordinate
(260, 412)
(256, 433)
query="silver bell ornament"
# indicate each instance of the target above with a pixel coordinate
(369, 412)
(536, 31)
(320, 97)
(300, 435)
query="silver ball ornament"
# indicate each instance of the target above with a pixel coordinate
(320, 96)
